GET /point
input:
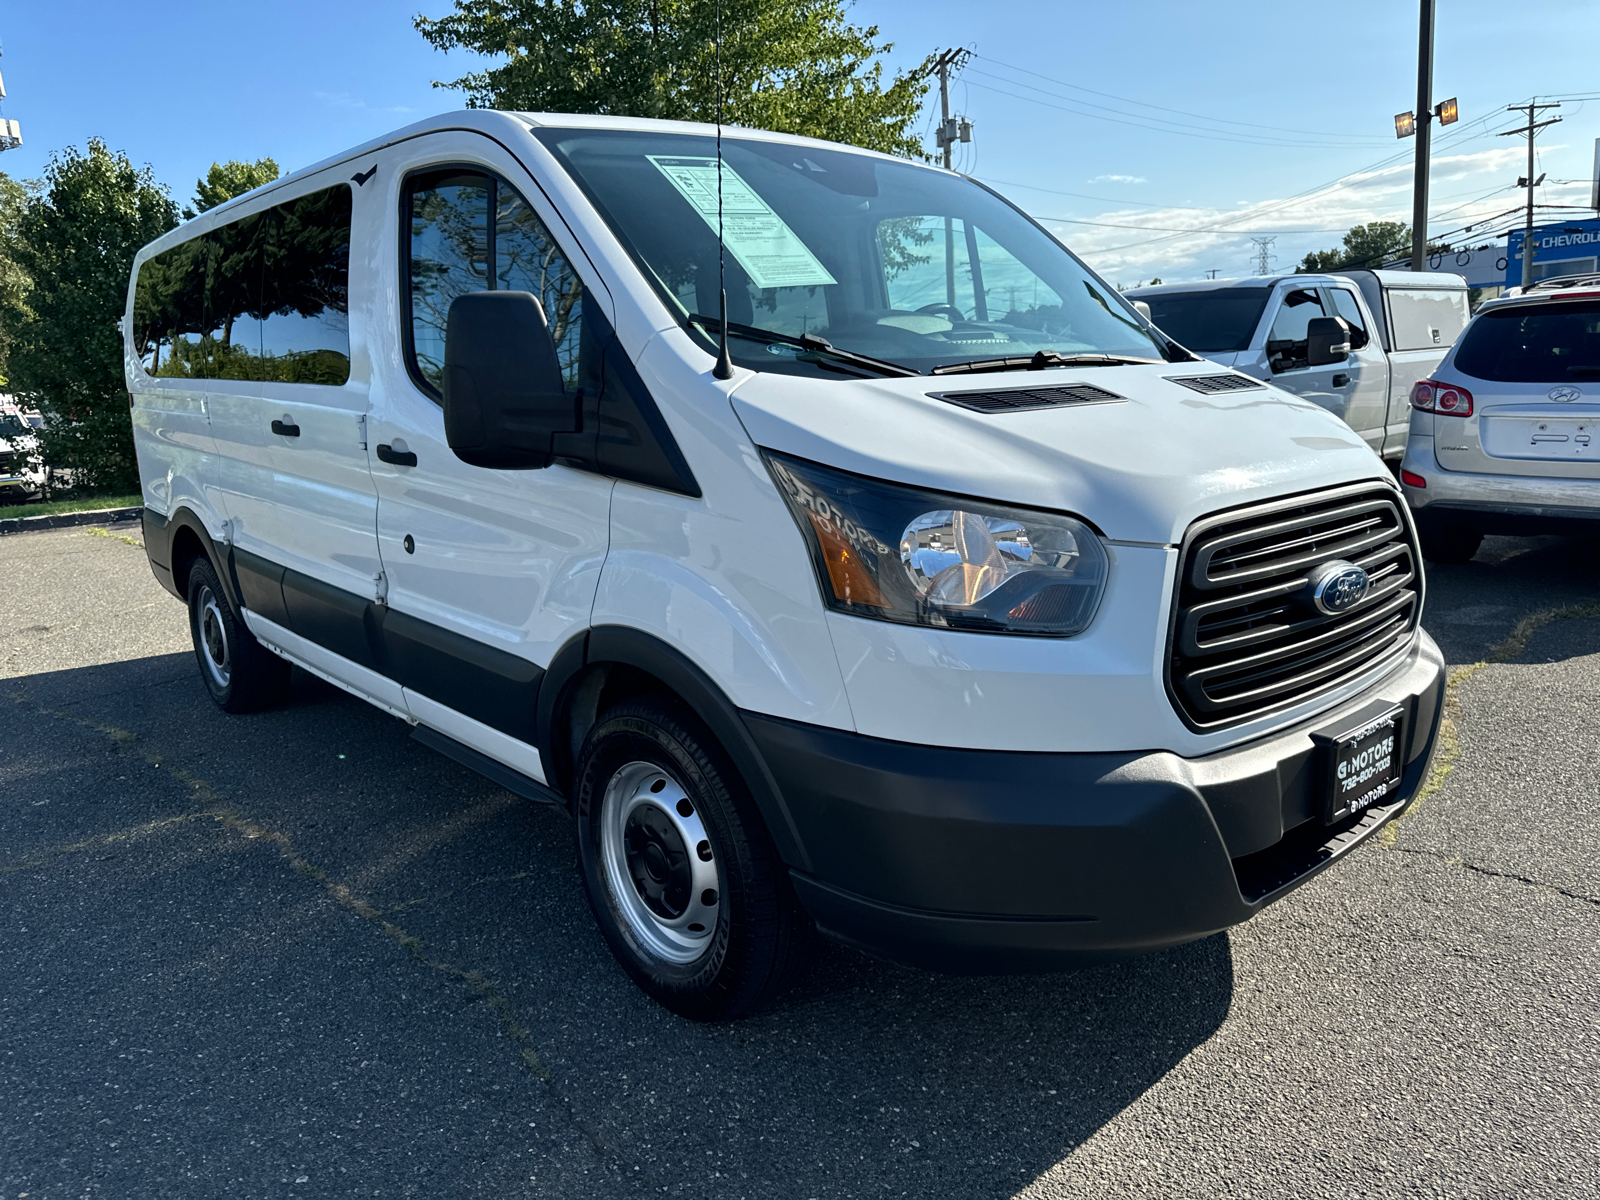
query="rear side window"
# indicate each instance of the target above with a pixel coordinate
(1213, 322)
(470, 231)
(1543, 343)
(1426, 318)
(263, 298)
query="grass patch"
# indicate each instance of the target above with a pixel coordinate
(46, 508)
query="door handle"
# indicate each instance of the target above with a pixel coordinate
(1341, 380)
(285, 428)
(399, 458)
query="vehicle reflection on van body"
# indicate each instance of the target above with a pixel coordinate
(972, 621)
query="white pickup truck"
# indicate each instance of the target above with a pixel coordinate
(1355, 343)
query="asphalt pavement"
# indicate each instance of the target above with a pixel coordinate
(299, 954)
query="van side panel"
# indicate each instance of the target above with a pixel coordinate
(725, 579)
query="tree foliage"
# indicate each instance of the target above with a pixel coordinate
(1366, 248)
(75, 241)
(794, 66)
(14, 281)
(233, 178)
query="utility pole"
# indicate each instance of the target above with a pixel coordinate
(951, 130)
(1533, 108)
(1264, 255)
(1212, 273)
(10, 131)
(1419, 187)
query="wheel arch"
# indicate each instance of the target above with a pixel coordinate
(610, 663)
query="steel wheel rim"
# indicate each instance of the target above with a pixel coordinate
(212, 634)
(642, 813)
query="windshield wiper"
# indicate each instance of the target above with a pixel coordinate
(806, 342)
(1040, 361)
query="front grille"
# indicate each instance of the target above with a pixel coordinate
(1210, 385)
(1246, 640)
(1019, 399)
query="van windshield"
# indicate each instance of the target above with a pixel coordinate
(888, 259)
(1214, 321)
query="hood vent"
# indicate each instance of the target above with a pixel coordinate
(1210, 385)
(1022, 399)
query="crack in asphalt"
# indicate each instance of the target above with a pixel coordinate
(1493, 874)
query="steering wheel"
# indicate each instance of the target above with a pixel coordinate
(949, 310)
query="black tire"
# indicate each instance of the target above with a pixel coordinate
(241, 674)
(1448, 545)
(644, 760)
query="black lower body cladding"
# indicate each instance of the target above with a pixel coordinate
(974, 860)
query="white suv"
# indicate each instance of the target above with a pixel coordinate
(1503, 435)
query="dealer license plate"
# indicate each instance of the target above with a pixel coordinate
(1364, 765)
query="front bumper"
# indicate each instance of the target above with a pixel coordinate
(991, 861)
(1516, 505)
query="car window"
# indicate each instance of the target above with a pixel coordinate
(1426, 318)
(455, 248)
(264, 298)
(1215, 321)
(1544, 343)
(1286, 343)
(1345, 305)
(882, 257)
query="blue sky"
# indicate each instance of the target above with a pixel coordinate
(1167, 117)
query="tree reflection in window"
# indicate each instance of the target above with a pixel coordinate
(452, 242)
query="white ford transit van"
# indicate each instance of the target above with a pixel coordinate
(968, 620)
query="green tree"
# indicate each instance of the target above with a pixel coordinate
(76, 240)
(233, 178)
(794, 66)
(1366, 247)
(14, 281)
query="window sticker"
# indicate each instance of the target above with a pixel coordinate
(769, 251)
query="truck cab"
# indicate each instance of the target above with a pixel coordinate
(1392, 329)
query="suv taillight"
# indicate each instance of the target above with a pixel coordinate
(1446, 399)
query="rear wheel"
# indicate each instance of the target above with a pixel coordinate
(679, 870)
(241, 674)
(1450, 544)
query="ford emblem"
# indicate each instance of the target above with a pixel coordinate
(1338, 586)
(1565, 395)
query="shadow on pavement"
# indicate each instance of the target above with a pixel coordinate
(416, 918)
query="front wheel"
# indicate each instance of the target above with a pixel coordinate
(679, 870)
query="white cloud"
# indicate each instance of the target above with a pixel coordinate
(346, 100)
(1466, 189)
(1119, 179)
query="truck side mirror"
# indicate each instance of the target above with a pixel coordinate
(504, 395)
(1143, 310)
(1327, 341)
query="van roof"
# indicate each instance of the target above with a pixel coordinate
(492, 122)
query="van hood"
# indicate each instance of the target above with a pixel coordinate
(1140, 469)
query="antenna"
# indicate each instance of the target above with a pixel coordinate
(724, 367)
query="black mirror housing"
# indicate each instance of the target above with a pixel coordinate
(504, 396)
(1327, 341)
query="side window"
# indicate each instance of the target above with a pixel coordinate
(455, 247)
(1286, 343)
(1344, 305)
(305, 297)
(263, 298)
(1426, 318)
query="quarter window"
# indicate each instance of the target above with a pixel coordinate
(1344, 305)
(455, 247)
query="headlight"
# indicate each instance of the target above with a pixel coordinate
(920, 558)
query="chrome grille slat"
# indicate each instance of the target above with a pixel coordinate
(1246, 640)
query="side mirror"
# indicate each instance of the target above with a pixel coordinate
(1327, 341)
(504, 397)
(1142, 309)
